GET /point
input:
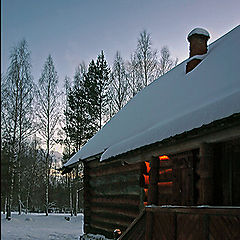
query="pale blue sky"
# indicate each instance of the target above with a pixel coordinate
(76, 30)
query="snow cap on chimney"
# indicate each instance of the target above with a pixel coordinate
(198, 38)
(199, 31)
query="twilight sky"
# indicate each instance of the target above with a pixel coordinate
(76, 30)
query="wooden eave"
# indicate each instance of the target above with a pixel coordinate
(217, 131)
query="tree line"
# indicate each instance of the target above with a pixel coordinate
(37, 115)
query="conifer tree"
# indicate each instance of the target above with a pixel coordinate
(97, 85)
(77, 117)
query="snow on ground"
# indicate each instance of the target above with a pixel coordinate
(93, 237)
(40, 227)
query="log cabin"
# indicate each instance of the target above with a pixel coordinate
(167, 165)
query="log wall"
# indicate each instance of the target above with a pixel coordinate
(114, 191)
(113, 195)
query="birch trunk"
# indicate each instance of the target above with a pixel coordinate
(76, 203)
(70, 195)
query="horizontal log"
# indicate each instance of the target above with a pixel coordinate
(116, 206)
(116, 221)
(120, 200)
(119, 168)
(96, 163)
(114, 216)
(93, 163)
(116, 178)
(117, 188)
(120, 211)
(97, 226)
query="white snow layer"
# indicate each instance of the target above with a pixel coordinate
(199, 31)
(199, 57)
(174, 103)
(41, 227)
(90, 236)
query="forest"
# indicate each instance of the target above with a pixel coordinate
(37, 115)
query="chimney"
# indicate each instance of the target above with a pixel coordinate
(198, 38)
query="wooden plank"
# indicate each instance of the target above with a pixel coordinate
(192, 223)
(224, 227)
(149, 226)
(163, 226)
(190, 227)
(216, 211)
(165, 187)
(136, 230)
(164, 199)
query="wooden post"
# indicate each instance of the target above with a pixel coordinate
(86, 200)
(149, 225)
(206, 174)
(153, 182)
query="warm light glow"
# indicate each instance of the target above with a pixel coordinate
(165, 171)
(163, 158)
(145, 204)
(148, 166)
(146, 191)
(164, 183)
(146, 179)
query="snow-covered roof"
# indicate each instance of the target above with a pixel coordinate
(199, 31)
(174, 103)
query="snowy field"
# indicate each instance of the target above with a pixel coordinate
(40, 227)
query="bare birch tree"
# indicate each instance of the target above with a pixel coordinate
(166, 63)
(17, 114)
(48, 113)
(118, 90)
(146, 58)
(133, 76)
